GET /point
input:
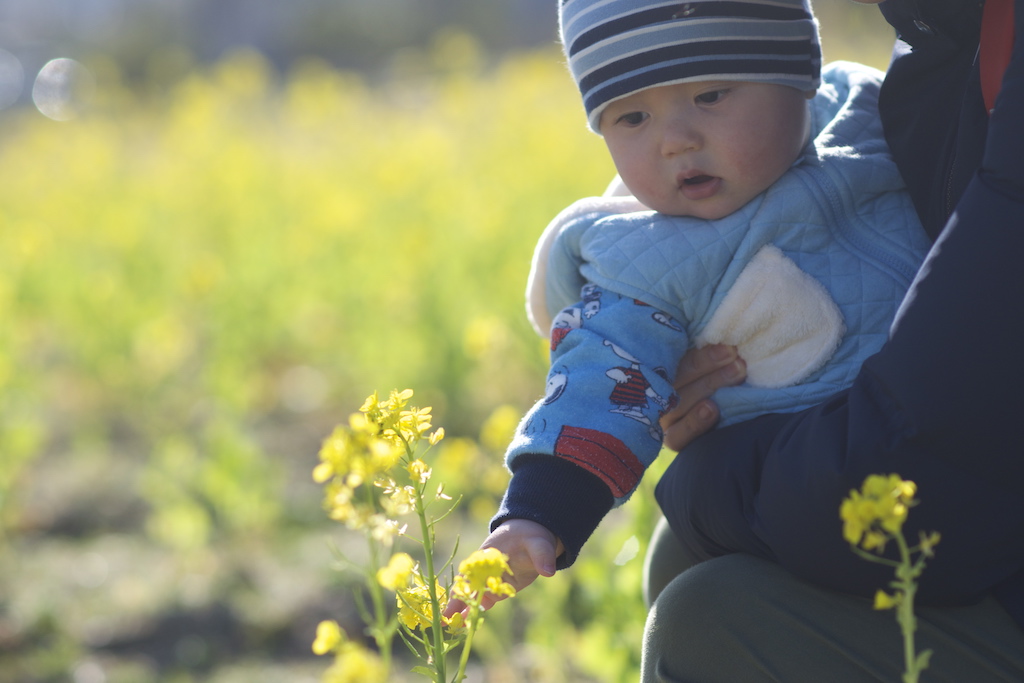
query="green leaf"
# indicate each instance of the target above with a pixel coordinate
(425, 670)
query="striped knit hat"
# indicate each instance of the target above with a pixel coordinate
(618, 47)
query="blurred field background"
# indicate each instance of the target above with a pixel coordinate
(219, 231)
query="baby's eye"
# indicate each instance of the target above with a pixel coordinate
(633, 118)
(711, 96)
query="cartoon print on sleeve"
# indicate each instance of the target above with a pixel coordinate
(603, 455)
(558, 379)
(591, 300)
(666, 320)
(631, 392)
(566, 321)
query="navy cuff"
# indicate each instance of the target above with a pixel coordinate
(566, 499)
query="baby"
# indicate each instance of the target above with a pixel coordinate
(764, 212)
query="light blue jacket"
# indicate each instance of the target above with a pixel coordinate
(630, 292)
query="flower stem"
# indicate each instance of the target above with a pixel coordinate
(381, 633)
(437, 634)
(471, 626)
(905, 611)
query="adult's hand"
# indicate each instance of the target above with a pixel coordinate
(701, 373)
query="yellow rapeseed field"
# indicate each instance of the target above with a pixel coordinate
(198, 278)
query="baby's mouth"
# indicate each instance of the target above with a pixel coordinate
(700, 186)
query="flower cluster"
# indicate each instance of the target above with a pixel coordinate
(353, 662)
(873, 515)
(363, 454)
(483, 572)
(372, 475)
(871, 518)
(416, 604)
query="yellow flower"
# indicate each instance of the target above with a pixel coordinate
(877, 512)
(483, 570)
(436, 436)
(495, 586)
(418, 471)
(883, 486)
(383, 414)
(874, 540)
(371, 405)
(323, 472)
(397, 572)
(456, 624)
(397, 400)
(398, 500)
(413, 424)
(383, 530)
(328, 637)
(384, 454)
(482, 565)
(853, 525)
(356, 664)
(928, 543)
(394, 423)
(414, 607)
(338, 501)
(334, 455)
(885, 601)
(361, 425)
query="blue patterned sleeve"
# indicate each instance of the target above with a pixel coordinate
(613, 358)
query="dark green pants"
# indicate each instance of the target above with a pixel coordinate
(738, 618)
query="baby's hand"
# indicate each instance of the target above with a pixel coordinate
(531, 551)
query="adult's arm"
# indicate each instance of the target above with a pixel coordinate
(941, 404)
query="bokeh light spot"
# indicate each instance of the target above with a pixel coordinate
(62, 89)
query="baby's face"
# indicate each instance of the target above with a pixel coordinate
(705, 149)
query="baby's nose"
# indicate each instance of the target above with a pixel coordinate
(680, 135)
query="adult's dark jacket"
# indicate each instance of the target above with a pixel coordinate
(941, 404)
